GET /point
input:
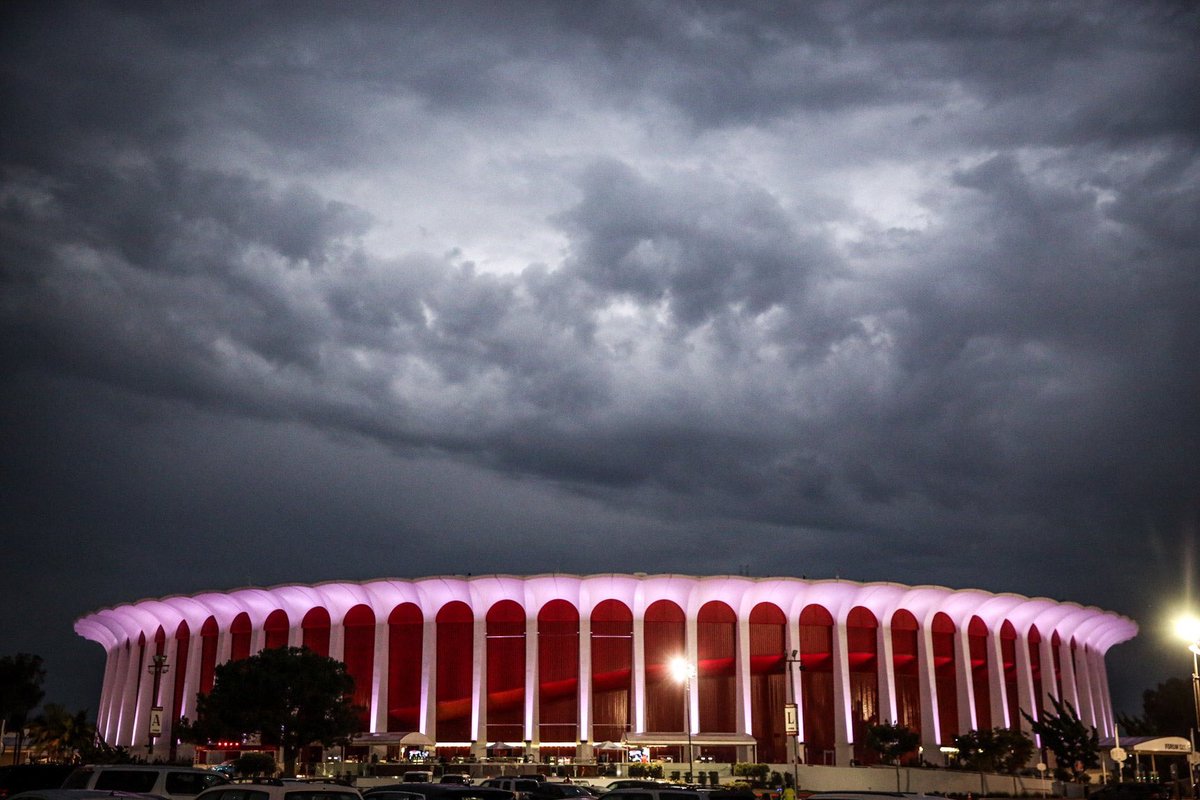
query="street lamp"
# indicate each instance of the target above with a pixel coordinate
(792, 717)
(682, 670)
(1187, 628)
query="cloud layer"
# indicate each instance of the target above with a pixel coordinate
(870, 289)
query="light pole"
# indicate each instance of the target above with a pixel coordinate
(156, 668)
(1188, 629)
(683, 671)
(792, 717)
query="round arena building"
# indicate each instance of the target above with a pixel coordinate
(569, 668)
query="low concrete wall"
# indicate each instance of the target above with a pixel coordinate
(904, 779)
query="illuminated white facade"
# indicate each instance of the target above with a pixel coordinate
(560, 663)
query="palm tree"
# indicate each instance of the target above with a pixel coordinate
(60, 734)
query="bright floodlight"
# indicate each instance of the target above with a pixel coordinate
(681, 670)
(1187, 628)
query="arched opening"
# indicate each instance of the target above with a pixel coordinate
(816, 659)
(862, 652)
(905, 668)
(768, 681)
(664, 642)
(406, 627)
(1034, 640)
(276, 627)
(208, 654)
(506, 673)
(315, 630)
(558, 676)
(1008, 654)
(359, 657)
(183, 635)
(942, 632)
(455, 646)
(239, 637)
(977, 634)
(612, 671)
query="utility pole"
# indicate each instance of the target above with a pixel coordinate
(158, 668)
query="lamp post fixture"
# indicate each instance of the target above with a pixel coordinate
(794, 662)
(682, 670)
(157, 668)
(1188, 629)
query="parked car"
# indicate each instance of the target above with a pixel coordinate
(662, 791)
(521, 787)
(457, 777)
(173, 783)
(80, 794)
(440, 791)
(556, 791)
(279, 789)
(23, 777)
(418, 776)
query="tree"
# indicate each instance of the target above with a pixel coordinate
(1166, 711)
(892, 741)
(1076, 746)
(21, 678)
(61, 735)
(1002, 750)
(255, 764)
(290, 697)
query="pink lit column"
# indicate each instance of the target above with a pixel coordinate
(963, 684)
(887, 670)
(429, 673)
(585, 749)
(1026, 691)
(129, 696)
(927, 683)
(639, 671)
(1069, 688)
(842, 730)
(379, 676)
(532, 699)
(996, 690)
(480, 692)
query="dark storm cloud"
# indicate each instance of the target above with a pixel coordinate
(890, 291)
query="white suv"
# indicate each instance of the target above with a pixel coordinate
(174, 783)
(276, 789)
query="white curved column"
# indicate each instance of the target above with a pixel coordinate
(337, 641)
(532, 701)
(964, 685)
(995, 672)
(742, 677)
(927, 688)
(843, 731)
(692, 654)
(116, 700)
(141, 712)
(639, 673)
(479, 679)
(887, 673)
(429, 675)
(107, 687)
(586, 733)
(129, 696)
(1026, 691)
(379, 678)
(1069, 689)
(191, 679)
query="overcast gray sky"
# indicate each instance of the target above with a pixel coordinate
(311, 291)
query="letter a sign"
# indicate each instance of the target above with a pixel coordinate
(156, 721)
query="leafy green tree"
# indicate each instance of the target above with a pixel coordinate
(1002, 750)
(251, 765)
(289, 696)
(60, 734)
(21, 679)
(892, 741)
(1075, 746)
(1166, 711)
